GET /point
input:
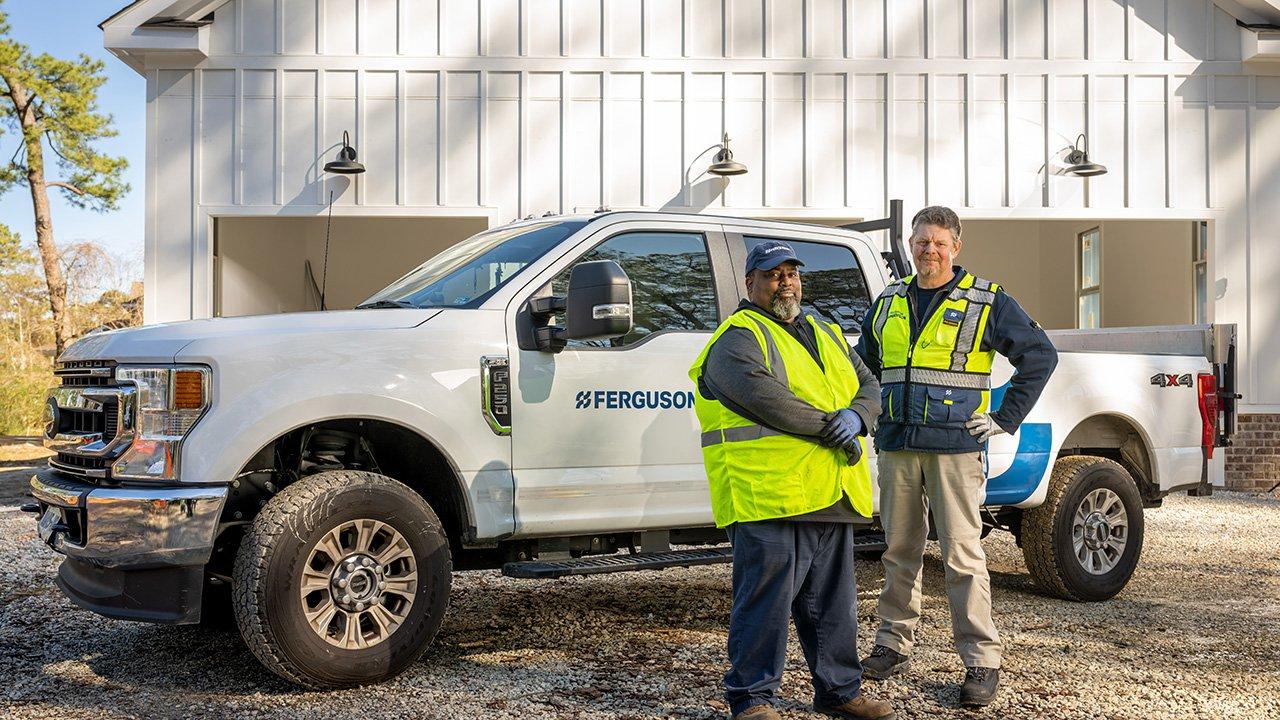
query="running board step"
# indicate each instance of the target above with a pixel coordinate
(600, 564)
(624, 562)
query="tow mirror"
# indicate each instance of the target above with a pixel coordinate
(596, 307)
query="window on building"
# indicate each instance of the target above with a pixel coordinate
(671, 283)
(832, 284)
(1200, 271)
(1089, 271)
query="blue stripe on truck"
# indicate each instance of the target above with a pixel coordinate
(1030, 461)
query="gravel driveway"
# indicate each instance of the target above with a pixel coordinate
(1196, 634)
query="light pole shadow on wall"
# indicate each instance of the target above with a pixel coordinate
(696, 193)
(337, 172)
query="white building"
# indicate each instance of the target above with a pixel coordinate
(468, 113)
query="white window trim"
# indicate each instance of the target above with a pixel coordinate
(1092, 289)
(1200, 228)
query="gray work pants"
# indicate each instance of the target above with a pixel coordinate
(953, 486)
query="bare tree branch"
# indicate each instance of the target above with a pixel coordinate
(68, 186)
(53, 146)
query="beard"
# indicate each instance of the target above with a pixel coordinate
(787, 309)
(931, 268)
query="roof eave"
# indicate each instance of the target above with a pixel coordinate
(1251, 11)
(180, 10)
(150, 32)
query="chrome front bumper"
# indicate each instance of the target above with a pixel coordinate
(128, 527)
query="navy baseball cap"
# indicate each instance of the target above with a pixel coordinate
(769, 255)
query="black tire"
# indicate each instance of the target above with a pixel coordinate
(267, 579)
(1048, 545)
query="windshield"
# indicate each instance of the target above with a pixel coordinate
(465, 275)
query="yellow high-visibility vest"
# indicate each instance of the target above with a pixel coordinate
(757, 473)
(947, 355)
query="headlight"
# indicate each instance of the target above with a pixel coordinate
(169, 400)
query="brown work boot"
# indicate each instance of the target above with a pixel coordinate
(758, 712)
(859, 708)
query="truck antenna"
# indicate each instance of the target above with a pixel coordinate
(324, 274)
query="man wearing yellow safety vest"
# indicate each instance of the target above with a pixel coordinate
(931, 338)
(784, 406)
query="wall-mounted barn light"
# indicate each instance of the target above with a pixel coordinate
(346, 163)
(724, 164)
(1078, 160)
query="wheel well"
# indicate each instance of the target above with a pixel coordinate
(1119, 439)
(347, 443)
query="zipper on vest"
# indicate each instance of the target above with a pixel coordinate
(911, 349)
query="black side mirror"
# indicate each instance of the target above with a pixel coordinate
(598, 305)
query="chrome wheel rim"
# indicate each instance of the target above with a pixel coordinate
(1100, 531)
(358, 584)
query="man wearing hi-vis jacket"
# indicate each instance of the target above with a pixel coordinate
(931, 339)
(784, 407)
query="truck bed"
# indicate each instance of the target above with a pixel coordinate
(1211, 342)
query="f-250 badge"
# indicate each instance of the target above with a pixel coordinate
(1167, 380)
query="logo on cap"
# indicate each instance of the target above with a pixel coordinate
(759, 257)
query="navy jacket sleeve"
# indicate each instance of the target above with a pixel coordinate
(1012, 333)
(867, 348)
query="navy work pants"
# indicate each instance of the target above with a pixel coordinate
(784, 569)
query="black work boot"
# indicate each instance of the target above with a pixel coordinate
(883, 662)
(979, 686)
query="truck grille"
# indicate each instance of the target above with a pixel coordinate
(85, 416)
(77, 465)
(85, 422)
(85, 373)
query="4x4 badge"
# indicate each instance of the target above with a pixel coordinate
(1167, 380)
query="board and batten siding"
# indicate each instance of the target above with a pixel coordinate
(512, 107)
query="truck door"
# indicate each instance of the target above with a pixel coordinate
(604, 435)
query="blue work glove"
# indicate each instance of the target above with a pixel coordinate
(842, 429)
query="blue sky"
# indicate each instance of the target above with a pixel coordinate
(65, 28)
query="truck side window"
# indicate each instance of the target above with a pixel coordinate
(833, 287)
(671, 283)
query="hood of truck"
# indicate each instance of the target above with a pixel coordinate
(163, 342)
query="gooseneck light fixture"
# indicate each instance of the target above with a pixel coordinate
(724, 164)
(346, 163)
(1078, 160)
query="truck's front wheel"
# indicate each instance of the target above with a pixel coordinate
(1084, 541)
(341, 580)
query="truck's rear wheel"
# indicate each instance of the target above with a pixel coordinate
(342, 579)
(1084, 541)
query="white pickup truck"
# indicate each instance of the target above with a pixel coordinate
(521, 401)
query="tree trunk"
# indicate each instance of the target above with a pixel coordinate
(50, 258)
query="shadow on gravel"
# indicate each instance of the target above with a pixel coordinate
(539, 633)
(629, 645)
(15, 479)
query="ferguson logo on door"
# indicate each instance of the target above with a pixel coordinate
(633, 399)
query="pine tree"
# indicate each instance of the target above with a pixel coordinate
(52, 105)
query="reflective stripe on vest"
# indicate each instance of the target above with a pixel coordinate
(946, 378)
(737, 434)
(757, 473)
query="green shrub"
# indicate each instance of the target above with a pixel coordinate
(22, 398)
